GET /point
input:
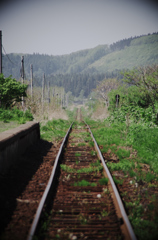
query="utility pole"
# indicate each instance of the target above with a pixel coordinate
(22, 69)
(22, 76)
(61, 99)
(48, 95)
(31, 80)
(43, 86)
(0, 52)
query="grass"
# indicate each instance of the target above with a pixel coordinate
(122, 153)
(84, 183)
(14, 114)
(138, 137)
(81, 144)
(142, 140)
(118, 181)
(90, 169)
(103, 181)
(77, 154)
(7, 126)
(54, 130)
(96, 164)
(12, 118)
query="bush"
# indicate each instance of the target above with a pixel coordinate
(15, 115)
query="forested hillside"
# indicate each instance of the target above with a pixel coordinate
(83, 69)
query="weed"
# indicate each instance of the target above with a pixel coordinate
(122, 153)
(93, 153)
(104, 213)
(91, 143)
(22, 120)
(83, 219)
(150, 177)
(118, 181)
(90, 169)
(77, 154)
(54, 130)
(103, 181)
(96, 164)
(124, 165)
(105, 190)
(131, 173)
(7, 115)
(81, 144)
(84, 183)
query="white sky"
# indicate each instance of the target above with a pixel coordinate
(57, 27)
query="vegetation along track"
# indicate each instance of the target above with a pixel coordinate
(82, 204)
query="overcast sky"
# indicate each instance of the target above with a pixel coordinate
(57, 27)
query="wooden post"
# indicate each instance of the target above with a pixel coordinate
(0, 52)
(31, 81)
(43, 86)
(22, 76)
(48, 95)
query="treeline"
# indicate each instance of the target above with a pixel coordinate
(76, 83)
(77, 62)
(73, 63)
(119, 45)
(83, 69)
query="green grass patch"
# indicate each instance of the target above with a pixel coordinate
(54, 130)
(96, 164)
(81, 144)
(14, 114)
(84, 183)
(124, 165)
(122, 153)
(77, 154)
(103, 181)
(90, 169)
(118, 181)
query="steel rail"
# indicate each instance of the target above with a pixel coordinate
(129, 230)
(46, 192)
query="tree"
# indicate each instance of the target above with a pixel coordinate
(105, 87)
(11, 91)
(146, 80)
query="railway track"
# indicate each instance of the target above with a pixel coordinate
(80, 200)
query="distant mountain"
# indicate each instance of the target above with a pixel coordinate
(127, 53)
(85, 65)
(140, 51)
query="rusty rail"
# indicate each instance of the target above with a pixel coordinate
(46, 192)
(125, 227)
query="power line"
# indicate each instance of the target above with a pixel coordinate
(8, 56)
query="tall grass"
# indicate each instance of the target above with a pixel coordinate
(7, 115)
(54, 130)
(138, 136)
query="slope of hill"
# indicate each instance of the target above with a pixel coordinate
(123, 54)
(141, 51)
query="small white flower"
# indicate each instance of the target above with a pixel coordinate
(99, 196)
(136, 184)
(70, 235)
(130, 182)
(59, 230)
(60, 211)
(105, 190)
(74, 238)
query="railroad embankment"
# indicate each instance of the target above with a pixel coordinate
(15, 142)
